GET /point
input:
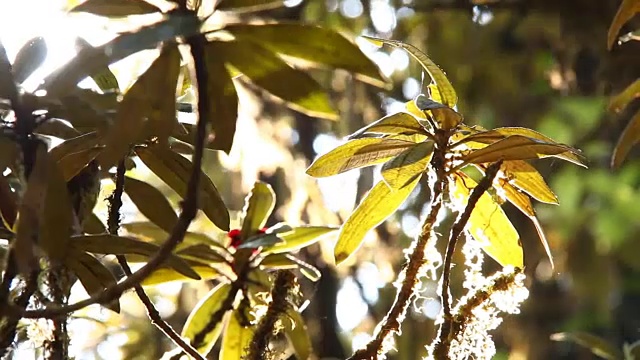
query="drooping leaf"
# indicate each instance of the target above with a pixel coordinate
(57, 128)
(202, 253)
(175, 171)
(89, 61)
(489, 225)
(446, 92)
(116, 8)
(517, 147)
(312, 43)
(355, 154)
(120, 245)
(73, 163)
(398, 123)
(224, 101)
(201, 315)
(151, 232)
(626, 11)
(74, 145)
(104, 78)
(411, 163)
(300, 237)
(165, 275)
(93, 225)
(376, 206)
(270, 72)
(257, 208)
(495, 135)
(620, 100)
(526, 178)
(30, 56)
(596, 344)
(236, 339)
(630, 137)
(93, 275)
(296, 331)
(151, 203)
(144, 100)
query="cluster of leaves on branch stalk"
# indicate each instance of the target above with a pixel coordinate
(102, 126)
(430, 138)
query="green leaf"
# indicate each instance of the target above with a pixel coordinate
(312, 43)
(620, 100)
(175, 171)
(278, 262)
(296, 331)
(517, 147)
(444, 116)
(29, 58)
(57, 217)
(236, 339)
(446, 93)
(404, 168)
(309, 271)
(489, 225)
(630, 137)
(200, 316)
(120, 245)
(93, 275)
(151, 232)
(257, 208)
(224, 101)
(355, 154)
(626, 11)
(74, 145)
(249, 5)
(104, 78)
(72, 164)
(93, 225)
(202, 253)
(144, 100)
(270, 72)
(376, 206)
(89, 61)
(116, 8)
(151, 203)
(398, 123)
(260, 240)
(495, 135)
(299, 237)
(596, 344)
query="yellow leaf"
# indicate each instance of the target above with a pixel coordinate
(355, 154)
(296, 331)
(201, 315)
(626, 11)
(258, 207)
(93, 275)
(398, 123)
(236, 339)
(516, 147)
(376, 206)
(526, 178)
(620, 100)
(299, 237)
(164, 275)
(241, 6)
(411, 163)
(490, 226)
(446, 93)
(630, 136)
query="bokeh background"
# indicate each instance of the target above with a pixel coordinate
(541, 64)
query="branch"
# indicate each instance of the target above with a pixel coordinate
(189, 205)
(442, 348)
(284, 283)
(410, 273)
(113, 222)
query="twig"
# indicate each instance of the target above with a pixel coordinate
(283, 285)
(189, 207)
(442, 348)
(113, 223)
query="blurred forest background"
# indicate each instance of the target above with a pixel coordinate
(540, 64)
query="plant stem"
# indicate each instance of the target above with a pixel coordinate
(442, 347)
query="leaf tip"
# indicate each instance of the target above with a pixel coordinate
(340, 257)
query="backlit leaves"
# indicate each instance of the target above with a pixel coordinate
(174, 170)
(355, 154)
(201, 315)
(398, 123)
(236, 338)
(116, 8)
(151, 203)
(490, 226)
(296, 332)
(300, 237)
(30, 56)
(258, 207)
(410, 164)
(379, 203)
